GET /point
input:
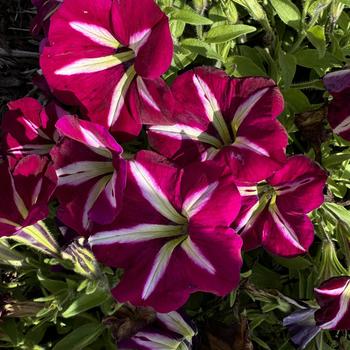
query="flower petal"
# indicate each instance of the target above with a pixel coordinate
(299, 185)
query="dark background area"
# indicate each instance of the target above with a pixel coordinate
(18, 51)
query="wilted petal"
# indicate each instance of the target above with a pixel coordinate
(337, 82)
(168, 331)
(302, 327)
(38, 237)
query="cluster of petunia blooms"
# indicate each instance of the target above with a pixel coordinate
(215, 180)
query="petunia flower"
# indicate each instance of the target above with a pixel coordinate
(29, 128)
(338, 85)
(91, 174)
(26, 190)
(99, 51)
(169, 331)
(172, 237)
(333, 296)
(274, 214)
(302, 326)
(217, 117)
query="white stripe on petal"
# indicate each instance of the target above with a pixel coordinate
(343, 308)
(97, 34)
(180, 132)
(36, 129)
(137, 40)
(243, 142)
(212, 108)
(196, 201)
(159, 267)
(94, 143)
(153, 193)
(195, 254)
(285, 228)
(331, 292)
(9, 222)
(209, 154)
(119, 93)
(252, 216)
(30, 149)
(135, 234)
(244, 109)
(20, 205)
(247, 191)
(156, 341)
(292, 186)
(174, 322)
(96, 64)
(91, 199)
(343, 126)
(248, 216)
(37, 191)
(79, 172)
(144, 93)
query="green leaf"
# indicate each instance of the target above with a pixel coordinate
(201, 48)
(256, 11)
(309, 58)
(81, 337)
(317, 37)
(297, 263)
(10, 328)
(288, 66)
(177, 28)
(190, 16)
(35, 335)
(241, 66)
(86, 302)
(227, 32)
(51, 285)
(288, 12)
(296, 100)
(339, 212)
(262, 277)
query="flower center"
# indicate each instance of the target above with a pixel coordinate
(266, 192)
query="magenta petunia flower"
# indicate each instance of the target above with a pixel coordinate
(25, 191)
(169, 331)
(99, 51)
(220, 117)
(274, 212)
(29, 128)
(91, 174)
(333, 296)
(338, 85)
(172, 237)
